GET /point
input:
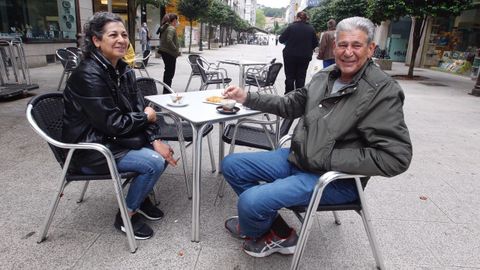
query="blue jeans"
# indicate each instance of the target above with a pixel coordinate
(149, 164)
(286, 185)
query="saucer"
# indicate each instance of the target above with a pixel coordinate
(233, 111)
(177, 104)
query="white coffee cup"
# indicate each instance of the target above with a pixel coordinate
(228, 104)
(176, 98)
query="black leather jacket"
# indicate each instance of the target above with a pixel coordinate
(102, 102)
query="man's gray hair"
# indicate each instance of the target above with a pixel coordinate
(356, 23)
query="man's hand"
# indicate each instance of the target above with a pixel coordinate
(165, 151)
(151, 114)
(236, 93)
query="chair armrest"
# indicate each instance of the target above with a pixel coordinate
(284, 139)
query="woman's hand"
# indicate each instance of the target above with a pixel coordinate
(236, 93)
(165, 151)
(151, 114)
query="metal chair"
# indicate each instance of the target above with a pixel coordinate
(178, 130)
(212, 74)
(314, 205)
(264, 78)
(45, 115)
(69, 61)
(140, 63)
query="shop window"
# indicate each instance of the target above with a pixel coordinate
(38, 20)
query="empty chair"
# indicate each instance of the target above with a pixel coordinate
(69, 61)
(140, 63)
(314, 205)
(170, 131)
(45, 115)
(264, 78)
(192, 60)
(212, 74)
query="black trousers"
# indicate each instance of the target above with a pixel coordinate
(295, 71)
(170, 63)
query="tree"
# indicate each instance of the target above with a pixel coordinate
(260, 19)
(320, 15)
(274, 12)
(192, 10)
(338, 10)
(217, 15)
(419, 11)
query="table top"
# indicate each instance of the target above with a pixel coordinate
(243, 62)
(197, 111)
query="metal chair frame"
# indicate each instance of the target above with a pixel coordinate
(139, 64)
(69, 61)
(263, 78)
(208, 72)
(307, 219)
(66, 177)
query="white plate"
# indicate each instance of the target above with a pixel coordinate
(177, 104)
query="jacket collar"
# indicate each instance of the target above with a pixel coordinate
(107, 65)
(335, 73)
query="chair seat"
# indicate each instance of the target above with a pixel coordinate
(249, 136)
(356, 205)
(219, 81)
(88, 177)
(253, 82)
(169, 132)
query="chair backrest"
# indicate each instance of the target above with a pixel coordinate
(77, 51)
(148, 87)
(201, 64)
(45, 115)
(285, 126)
(146, 56)
(272, 73)
(68, 59)
(192, 60)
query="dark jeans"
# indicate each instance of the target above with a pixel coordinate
(295, 71)
(170, 63)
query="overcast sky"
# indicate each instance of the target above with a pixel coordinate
(274, 3)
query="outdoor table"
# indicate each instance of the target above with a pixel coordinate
(200, 115)
(241, 65)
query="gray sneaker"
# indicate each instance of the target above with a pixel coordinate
(270, 243)
(232, 225)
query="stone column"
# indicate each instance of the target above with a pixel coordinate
(476, 88)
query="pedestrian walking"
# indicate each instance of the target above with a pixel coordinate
(300, 40)
(144, 37)
(325, 48)
(169, 48)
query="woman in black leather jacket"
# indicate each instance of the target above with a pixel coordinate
(103, 105)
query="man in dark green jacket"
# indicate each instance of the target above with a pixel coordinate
(350, 120)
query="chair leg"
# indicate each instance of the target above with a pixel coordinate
(53, 207)
(188, 83)
(335, 216)
(146, 71)
(212, 155)
(56, 199)
(183, 154)
(61, 80)
(84, 190)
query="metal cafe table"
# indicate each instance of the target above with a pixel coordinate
(241, 65)
(199, 114)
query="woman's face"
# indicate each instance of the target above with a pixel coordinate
(114, 42)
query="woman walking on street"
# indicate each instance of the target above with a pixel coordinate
(300, 40)
(169, 48)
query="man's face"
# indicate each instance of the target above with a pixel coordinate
(351, 51)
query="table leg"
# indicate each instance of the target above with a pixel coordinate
(221, 146)
(240, 76)
(197, 174)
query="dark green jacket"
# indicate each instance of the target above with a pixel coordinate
(358, 130)
(169, 40)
